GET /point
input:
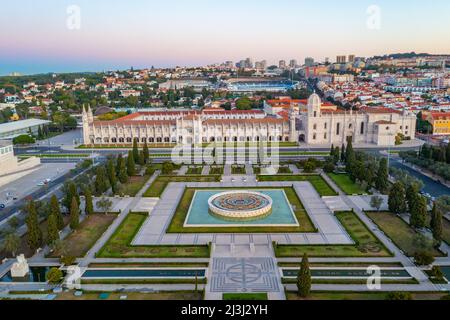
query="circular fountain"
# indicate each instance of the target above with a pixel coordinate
(240, 205)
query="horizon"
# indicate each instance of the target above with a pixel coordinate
(201, 33)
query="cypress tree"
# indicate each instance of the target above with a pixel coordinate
(89, 206)
(40, 135)
(101, 184)
(396, 199)
(349, 152)
(112, 175)
(119, 163)
(141, 160)
(304, 278)
(34, 233)
(123, 175)
(70, 193)
(336, 155)
(418, 212)
(131, 170)
(436, 224)
(343, 153)
(56, 211)
(74, 215)
(146, 152)
(52, 229)
(447, 153)
(411, 192)
(382, 180)
(135, 150)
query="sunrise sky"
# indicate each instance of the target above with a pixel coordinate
(117, 34)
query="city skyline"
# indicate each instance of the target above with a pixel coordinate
(140, 34)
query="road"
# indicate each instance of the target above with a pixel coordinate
(432, 187)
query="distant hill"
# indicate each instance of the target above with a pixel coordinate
(403, 55)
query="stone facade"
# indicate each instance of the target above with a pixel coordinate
(375, 125)
(208, 125)
(316, 126)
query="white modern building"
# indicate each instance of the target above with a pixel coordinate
(10, 166)
(10, 130)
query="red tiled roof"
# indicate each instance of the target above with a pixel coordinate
(249, 121)
(136, 122)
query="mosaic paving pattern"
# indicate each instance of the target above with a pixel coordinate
(244, 275)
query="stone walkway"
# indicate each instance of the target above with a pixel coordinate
(407, 262)
(294, 169)
(227, 170)
(154, 228)
(90, 256)
(243, 270)
(182, 171)
(205, 170)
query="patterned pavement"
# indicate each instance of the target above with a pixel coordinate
(244, 275)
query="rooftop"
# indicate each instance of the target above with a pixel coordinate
(21, 124)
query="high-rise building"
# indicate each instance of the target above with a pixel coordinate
(241, 64)
(229, 64)
(351, 58)
(261, 65)
(309, 62)
(341, 59)
(249, 63)
(293, 63)
(282, 64)
(327, 60)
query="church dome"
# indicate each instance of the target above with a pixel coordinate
(314, 100)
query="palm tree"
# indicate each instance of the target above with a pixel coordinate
(11, 243)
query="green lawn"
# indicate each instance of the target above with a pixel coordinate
(194, 170)
(57, 155)
(216, 170)
(398, 230)
(237, 169)
(177, 295)
(144, 281)
(119, 245)
(366, 243)
(342, 295)
(134, 184)
(244, 296)
(159, 185)
(176, 225)
(346, 184)
(446, 230)
(91, 229)
(284, 170)
(321, 186)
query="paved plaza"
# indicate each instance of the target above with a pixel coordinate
(330, 230)
(244, 275)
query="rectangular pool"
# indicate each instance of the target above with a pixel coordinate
(282, 214)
